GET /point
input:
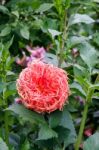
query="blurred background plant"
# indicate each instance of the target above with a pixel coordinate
(65, 34)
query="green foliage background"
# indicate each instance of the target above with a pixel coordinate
(63, 26)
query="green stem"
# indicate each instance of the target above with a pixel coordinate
(82, 127)
(64, 36)
(63, 147)
(6, 128)
(6, 115)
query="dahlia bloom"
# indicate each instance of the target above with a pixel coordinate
(43, 87)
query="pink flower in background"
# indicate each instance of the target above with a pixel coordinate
(18, 100)
(23, 61)
(35, 53)
(88, 132)
(43, 87)
(75, 52)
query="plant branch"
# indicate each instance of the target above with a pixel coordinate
(5, 115)
(6, 128)
(82, 127)
(63, 38)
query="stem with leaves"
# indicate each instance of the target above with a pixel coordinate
(4, 99)
(6, 114)
(5, 67)
(84, 117)
(6, 128)
(62, 8)
(63, 37)
(81, 127)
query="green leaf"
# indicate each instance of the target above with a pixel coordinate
(74, 40)
(5, 31)
(25, 145)
(96, 38)
(80, 70)
(63, 124)
(85, 84)
(70, 139)
(57, 147)
(26, 114)
(88, 54)
(97, 1)
(96, 95)
(46, 132)
(25, 32)
(38, 23)
(8, 44)
(44, 7)
(66, 122)
(95, 86)
(95, 71)
(54, 33)
(3, 145)
(14, 139)
(9, 93)
(9, 73)
(55, 118)
(63, 133)
(51, 59)
(80, 18)
(92, 143)
(2, 86)
(15, 13)
(67, 3)
(77, 87)
(42, 144)
(4, 10)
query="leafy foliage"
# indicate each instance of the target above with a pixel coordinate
(92, 142)
(46, 133)
(79, 18)
(68, 30)
(3, 145)
(26, 114)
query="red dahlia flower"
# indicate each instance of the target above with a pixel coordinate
(43, 87)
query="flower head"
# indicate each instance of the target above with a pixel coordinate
(43, 87)
(36, 52)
